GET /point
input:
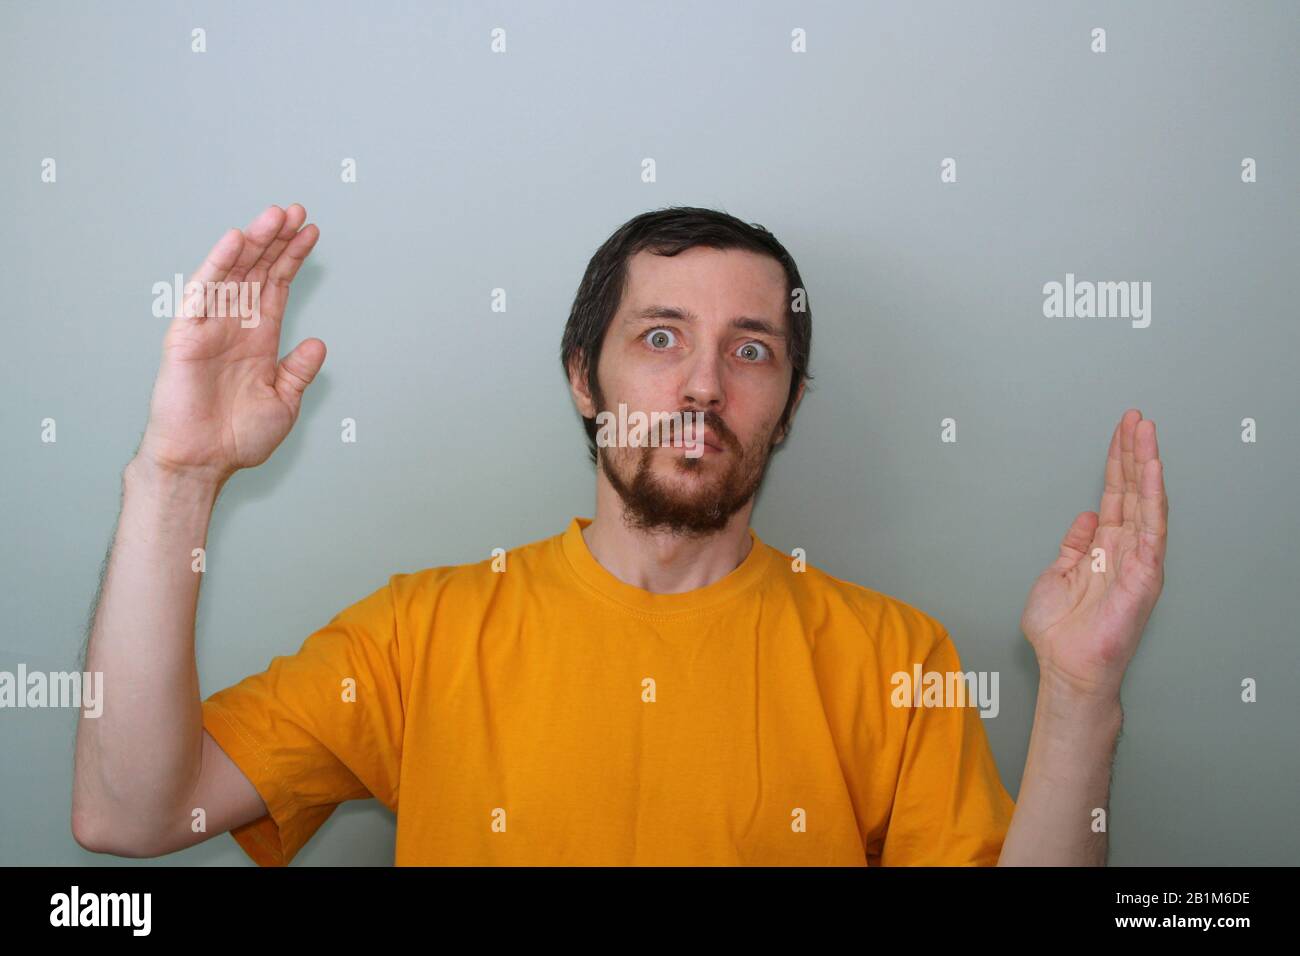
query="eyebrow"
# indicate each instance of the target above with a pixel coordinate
(747, 322)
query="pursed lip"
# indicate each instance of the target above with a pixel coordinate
(710, 439)
(684, 438)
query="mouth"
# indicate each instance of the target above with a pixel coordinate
(708, 440)
(704, 451)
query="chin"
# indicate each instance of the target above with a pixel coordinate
(688, 472)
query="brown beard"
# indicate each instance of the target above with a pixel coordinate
(650, 505)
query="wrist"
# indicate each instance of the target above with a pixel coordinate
(146, 473)
(1065, 701)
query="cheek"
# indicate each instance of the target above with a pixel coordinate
(756, 411)
(645, 393)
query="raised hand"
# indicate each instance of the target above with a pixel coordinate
(1086, 612)
(222, 401)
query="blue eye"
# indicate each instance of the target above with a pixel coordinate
(656, 338)
(755, 346)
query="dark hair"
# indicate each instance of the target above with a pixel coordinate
(666, 232)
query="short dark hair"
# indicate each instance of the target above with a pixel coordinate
(666, 232)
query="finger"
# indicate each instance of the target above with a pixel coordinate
(1153, 504)
(297, 369)
(275, 291)
(288, 263)
(221, 257)
(1077, 541)
(1128, 426)
(1112, 495)
(258, 234)
(293, 220)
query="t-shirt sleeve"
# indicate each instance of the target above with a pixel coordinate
(950, 807)
(317, 727)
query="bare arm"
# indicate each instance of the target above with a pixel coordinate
(1084, 618)
(221, 402)
(1066, 781)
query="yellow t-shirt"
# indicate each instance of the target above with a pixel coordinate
(550, 714)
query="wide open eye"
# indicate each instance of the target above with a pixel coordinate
(754, 351)
(661, 338)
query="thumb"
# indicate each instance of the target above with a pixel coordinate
(1074, 545)
(298, 368)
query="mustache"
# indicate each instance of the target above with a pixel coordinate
(712, 421)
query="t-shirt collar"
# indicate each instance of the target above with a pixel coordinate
(594, 575)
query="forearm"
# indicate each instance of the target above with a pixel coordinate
(1066, 779)
(138, 761)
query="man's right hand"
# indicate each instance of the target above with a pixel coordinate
(222, 401)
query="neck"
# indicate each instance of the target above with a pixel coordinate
(659, 561)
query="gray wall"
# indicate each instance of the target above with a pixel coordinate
(479, 170)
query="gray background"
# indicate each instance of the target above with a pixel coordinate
(479, 170)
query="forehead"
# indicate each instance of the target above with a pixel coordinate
(717, 282)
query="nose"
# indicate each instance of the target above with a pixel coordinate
(703, 387)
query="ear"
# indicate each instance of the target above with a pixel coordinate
(798, 397)
(586, 405)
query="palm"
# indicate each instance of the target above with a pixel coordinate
(1086, 612)
(222, 401)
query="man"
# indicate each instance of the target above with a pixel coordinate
(655, 685)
